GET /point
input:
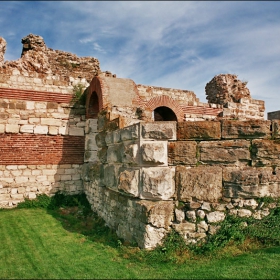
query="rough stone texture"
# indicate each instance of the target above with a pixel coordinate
(215, 217)
(3, 45)
(265, 152)
(182, 152)
(251, 182)
(225, 88)
(154, 153)
(273, 115)
(157, 183)
(225, 152)
(129, 182)
(201, 183)
(245, 129)
(275, 124)
(37, 58)
(159, 130)
(199, 130)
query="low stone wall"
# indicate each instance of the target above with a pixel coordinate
(151, 177)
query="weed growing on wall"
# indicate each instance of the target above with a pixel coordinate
(79, 94)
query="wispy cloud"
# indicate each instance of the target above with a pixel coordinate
(179, 44)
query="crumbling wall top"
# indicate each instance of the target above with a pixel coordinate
(225, 88)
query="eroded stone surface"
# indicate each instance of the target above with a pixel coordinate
(199, 130)
(157, 183)
(202, 183)
(182, 152)
(129, 181)
(154, 153)
(159, 130)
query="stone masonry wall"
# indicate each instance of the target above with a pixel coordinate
(42, 128)
(152, 177)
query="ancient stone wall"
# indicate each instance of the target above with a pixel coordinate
(151, 177)
(273, 115)
(42, 125)
(233, 94)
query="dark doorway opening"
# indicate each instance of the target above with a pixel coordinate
(93, 109)
(164, 114)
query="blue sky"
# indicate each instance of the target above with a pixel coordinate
(170, 44)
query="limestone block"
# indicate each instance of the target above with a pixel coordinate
(206, 206)
(130, 132)
(63, 130)
(76, 131)
(39, 129)
(191, 216)
(30, 105)
(215, 217)
(275, 124)
(154, 153)
(17, 196)
(152, 237)
(114, 153)
(20, 180)
(156, 213)
(40, 105)
(31, 195)
(201, 214)
(180, 215)
(2, 128)
(202, 226)
(100, 140)
(201, 183)
(129, 153)
(91, 126)
(90, 143)
(244, 213)
(5, 197)
(12, 128)
(199, 130)
(182, 152)
(225, 152)
(252, 203)
(53, 130)
(184, 228)
(111, 175)
(129, 181)
(158, 130)
(157, 183)
(245, 129)
(251, 182)
(265, 152)
(26, 128)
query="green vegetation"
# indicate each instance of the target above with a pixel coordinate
(79, 94)
(60, 237)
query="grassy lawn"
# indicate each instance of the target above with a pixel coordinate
(41, 244)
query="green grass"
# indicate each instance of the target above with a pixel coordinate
(61, 238)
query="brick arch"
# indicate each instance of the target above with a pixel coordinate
(95, 88)
(166, 101)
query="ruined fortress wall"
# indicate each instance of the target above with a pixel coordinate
(189, 176)
(42, 129)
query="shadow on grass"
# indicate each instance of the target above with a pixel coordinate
(75, 215)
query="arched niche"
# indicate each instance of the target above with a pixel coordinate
(164, 113)
(93, 106)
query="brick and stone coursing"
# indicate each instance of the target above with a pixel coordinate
(143, 177)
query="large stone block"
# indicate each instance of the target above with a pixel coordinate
(156, 213)
(130, 132)
(157, 183)
(225, 152)
(90, 142)
(130, 153)
(199, 130)
(154, 153)
(251, 182)
(265, 152)
(245, 129)
(114, 153)
(129, 181)
(182, 152)
(159, 130)
(111, 175)
(199, 183)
